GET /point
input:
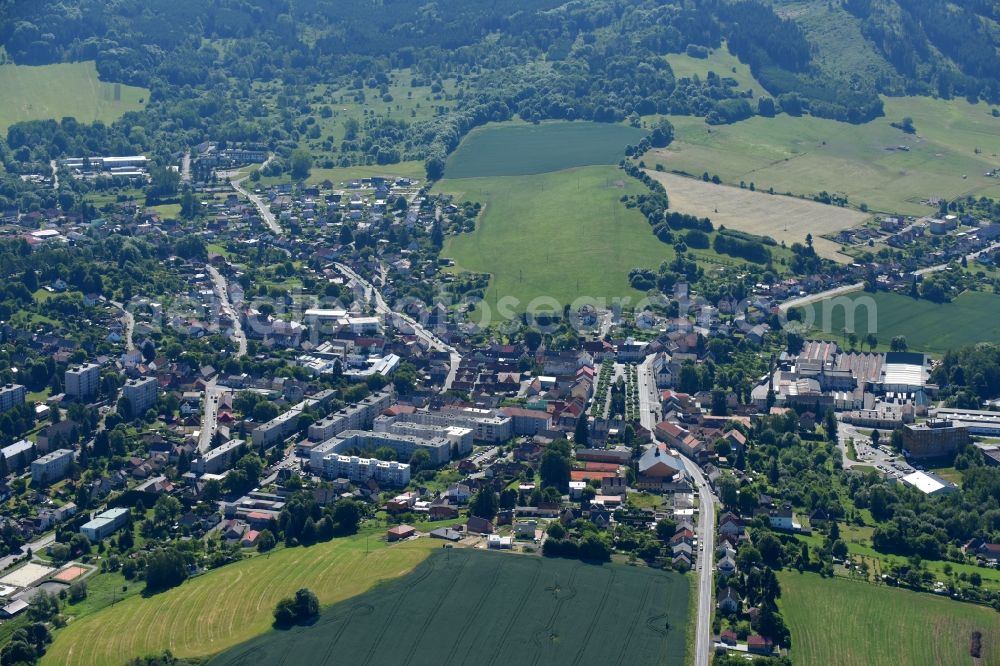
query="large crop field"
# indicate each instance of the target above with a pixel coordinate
(517, 149)
(58, 91)
(782, 218)
(464, 607)
(227, 606)
(930, 327)
(838, 622)
(808, 155)
(562, 235)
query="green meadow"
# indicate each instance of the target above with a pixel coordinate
(562, 234)
(929, 327)
(838, 622)
(955, 144)
(519, 149)
(63, 90)
(720, 61)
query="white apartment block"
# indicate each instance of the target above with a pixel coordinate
(11, 396)
(83, 381)
(486, 425)
(218, 459)
(353, 417)
(359, 470)
(461, 438)
(141, 394)
(439, 449)
(52, 466)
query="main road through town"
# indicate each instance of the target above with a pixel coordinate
(649, 406)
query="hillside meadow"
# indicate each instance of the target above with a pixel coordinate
(839, 622)
(63, 90)
(955, 144)
(562, 235)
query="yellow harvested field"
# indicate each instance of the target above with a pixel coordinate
(782, 218)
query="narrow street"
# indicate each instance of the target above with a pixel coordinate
(129, 325)
(262, 207)
(222, 291)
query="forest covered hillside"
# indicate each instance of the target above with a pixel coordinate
(598, 60)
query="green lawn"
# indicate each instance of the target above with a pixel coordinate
(66, 89)
(930, 327)
(838, 622)
(226, 606)
(464, 607)
(807, 155)
(562, 235)
(517, 149)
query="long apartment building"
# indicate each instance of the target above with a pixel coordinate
(461, 438)
(358, 416)
(11, 396)
(438, 448)
(283, 425)
(359, 470)
(217, 459)
(486, 425)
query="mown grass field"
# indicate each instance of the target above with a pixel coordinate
(808, 155)
(782, 218)
(62, 90)
(563, 235)
(930, 327)
(224, 607)
(465, 606)
(837, 622)
(518, 149)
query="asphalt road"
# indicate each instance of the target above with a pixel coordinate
(36, 546)
(222, 291)
(375, 296)
(262, 207)
(649, 406)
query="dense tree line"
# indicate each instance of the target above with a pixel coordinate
(969, 375)
(925, 40)
(593, 59)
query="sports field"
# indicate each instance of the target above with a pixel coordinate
(930, 327)
(808, 155)
(563, 235)
(782, 218)
(838, 622)
(66, 89)
(464, 606)
(518, 149)
(226, 606)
